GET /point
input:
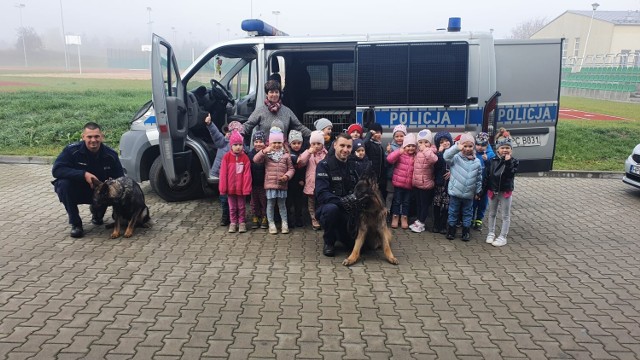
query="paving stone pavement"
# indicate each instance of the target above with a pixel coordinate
(566, 286)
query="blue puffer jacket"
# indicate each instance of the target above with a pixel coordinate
(466, 174)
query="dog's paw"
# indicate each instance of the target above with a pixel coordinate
(115, 235)
(393, 261)
(128, 234)
(348, 261)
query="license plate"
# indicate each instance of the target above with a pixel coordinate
(528, 140)
(635, 169)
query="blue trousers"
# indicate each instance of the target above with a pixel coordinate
(334, 221)
(480, 207)
(401, 200)
(71, 193)
(459, 205)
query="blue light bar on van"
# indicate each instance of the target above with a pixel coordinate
(260, 28)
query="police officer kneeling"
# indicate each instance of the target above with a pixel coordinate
(76, 167)
(336, 178)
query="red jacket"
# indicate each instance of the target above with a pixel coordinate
(235, 174)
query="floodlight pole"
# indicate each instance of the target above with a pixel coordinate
(24, 45)
(64, 40)
(276, 13)
(594, 6)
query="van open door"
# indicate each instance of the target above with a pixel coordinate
(169, 101)
(528, 78)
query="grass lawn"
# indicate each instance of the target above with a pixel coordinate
(40, 115)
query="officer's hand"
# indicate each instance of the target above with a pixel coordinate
(89, 178)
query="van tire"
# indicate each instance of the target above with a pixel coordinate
(190, 189)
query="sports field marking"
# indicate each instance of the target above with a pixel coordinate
(583, 115)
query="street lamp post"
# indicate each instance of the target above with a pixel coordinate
(218, 25)
(594, 6)
(276, 13)
(64, 40)
(149, 23)
(24, 45)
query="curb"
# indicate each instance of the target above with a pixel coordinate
(580, 174)
(39, 160)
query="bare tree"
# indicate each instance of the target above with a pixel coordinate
(32, 40)
(525, 29)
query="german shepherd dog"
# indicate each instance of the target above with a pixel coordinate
(127, 199)
(371, 220)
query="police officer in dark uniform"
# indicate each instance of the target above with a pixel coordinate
(76, 168)
(336, 178)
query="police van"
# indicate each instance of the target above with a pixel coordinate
(455, 81)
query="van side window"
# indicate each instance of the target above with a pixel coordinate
(342, 78)
(244, 82)
(319, 77)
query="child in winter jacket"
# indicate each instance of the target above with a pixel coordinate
(221, 142)
(258, 194)
(465, 184)
(423, 178)
(310, 158)
(376, 154)
(500, 184)
(326, 126)
(355, 131)
(295, 196)
(399, 132)
(235, 182)
(442, 141)
(278, 171)
(403, 159)
(484, 153)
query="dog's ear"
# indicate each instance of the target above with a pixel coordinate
(96, 183)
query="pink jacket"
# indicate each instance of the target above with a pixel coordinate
(423, 174)
(311, 161)
(235, 174)
(273, 171)
(403, 171)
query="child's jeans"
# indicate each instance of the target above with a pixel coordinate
(259, 201)
(459, 205)
(224, 205)
(424, 201)
(237, 209)
(480, 207)
(401, 200)
(499, 201)
(282, 208)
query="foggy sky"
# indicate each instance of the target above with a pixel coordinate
(197, 20)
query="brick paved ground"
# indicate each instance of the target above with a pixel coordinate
(566, 286)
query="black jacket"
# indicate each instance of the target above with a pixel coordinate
(76, 159)
(336, 179)
(375, 153)
(500, 174)
(257, 171)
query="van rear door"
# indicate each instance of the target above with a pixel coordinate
(528, 77)
(169, 102)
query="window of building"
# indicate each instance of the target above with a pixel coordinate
(576, 47)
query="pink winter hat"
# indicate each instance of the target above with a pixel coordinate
(317, 137)
(235, 138)
(401, 128)
(465, 138)
(276, 135)
(409, 139)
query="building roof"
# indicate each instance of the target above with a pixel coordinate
(630, 17)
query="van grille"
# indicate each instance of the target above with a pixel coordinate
(341, 119)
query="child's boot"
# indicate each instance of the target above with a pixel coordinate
(264, 224)
(224, 220)
(443, 222)
(272, 228)
(477, 225)
(500, 241)
(255, 222)
(232, 228)
(314, 223)
(436, 220)
(451, 232)
(466, 233)
(394, 221)
(285, 227)
(242, 227)
(404, 220)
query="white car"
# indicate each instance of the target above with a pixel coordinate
(632, 168)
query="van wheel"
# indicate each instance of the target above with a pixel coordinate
(189, 187)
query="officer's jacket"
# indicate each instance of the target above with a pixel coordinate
(335, 179)
(76, 159)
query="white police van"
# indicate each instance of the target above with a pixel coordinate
(441, 81)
